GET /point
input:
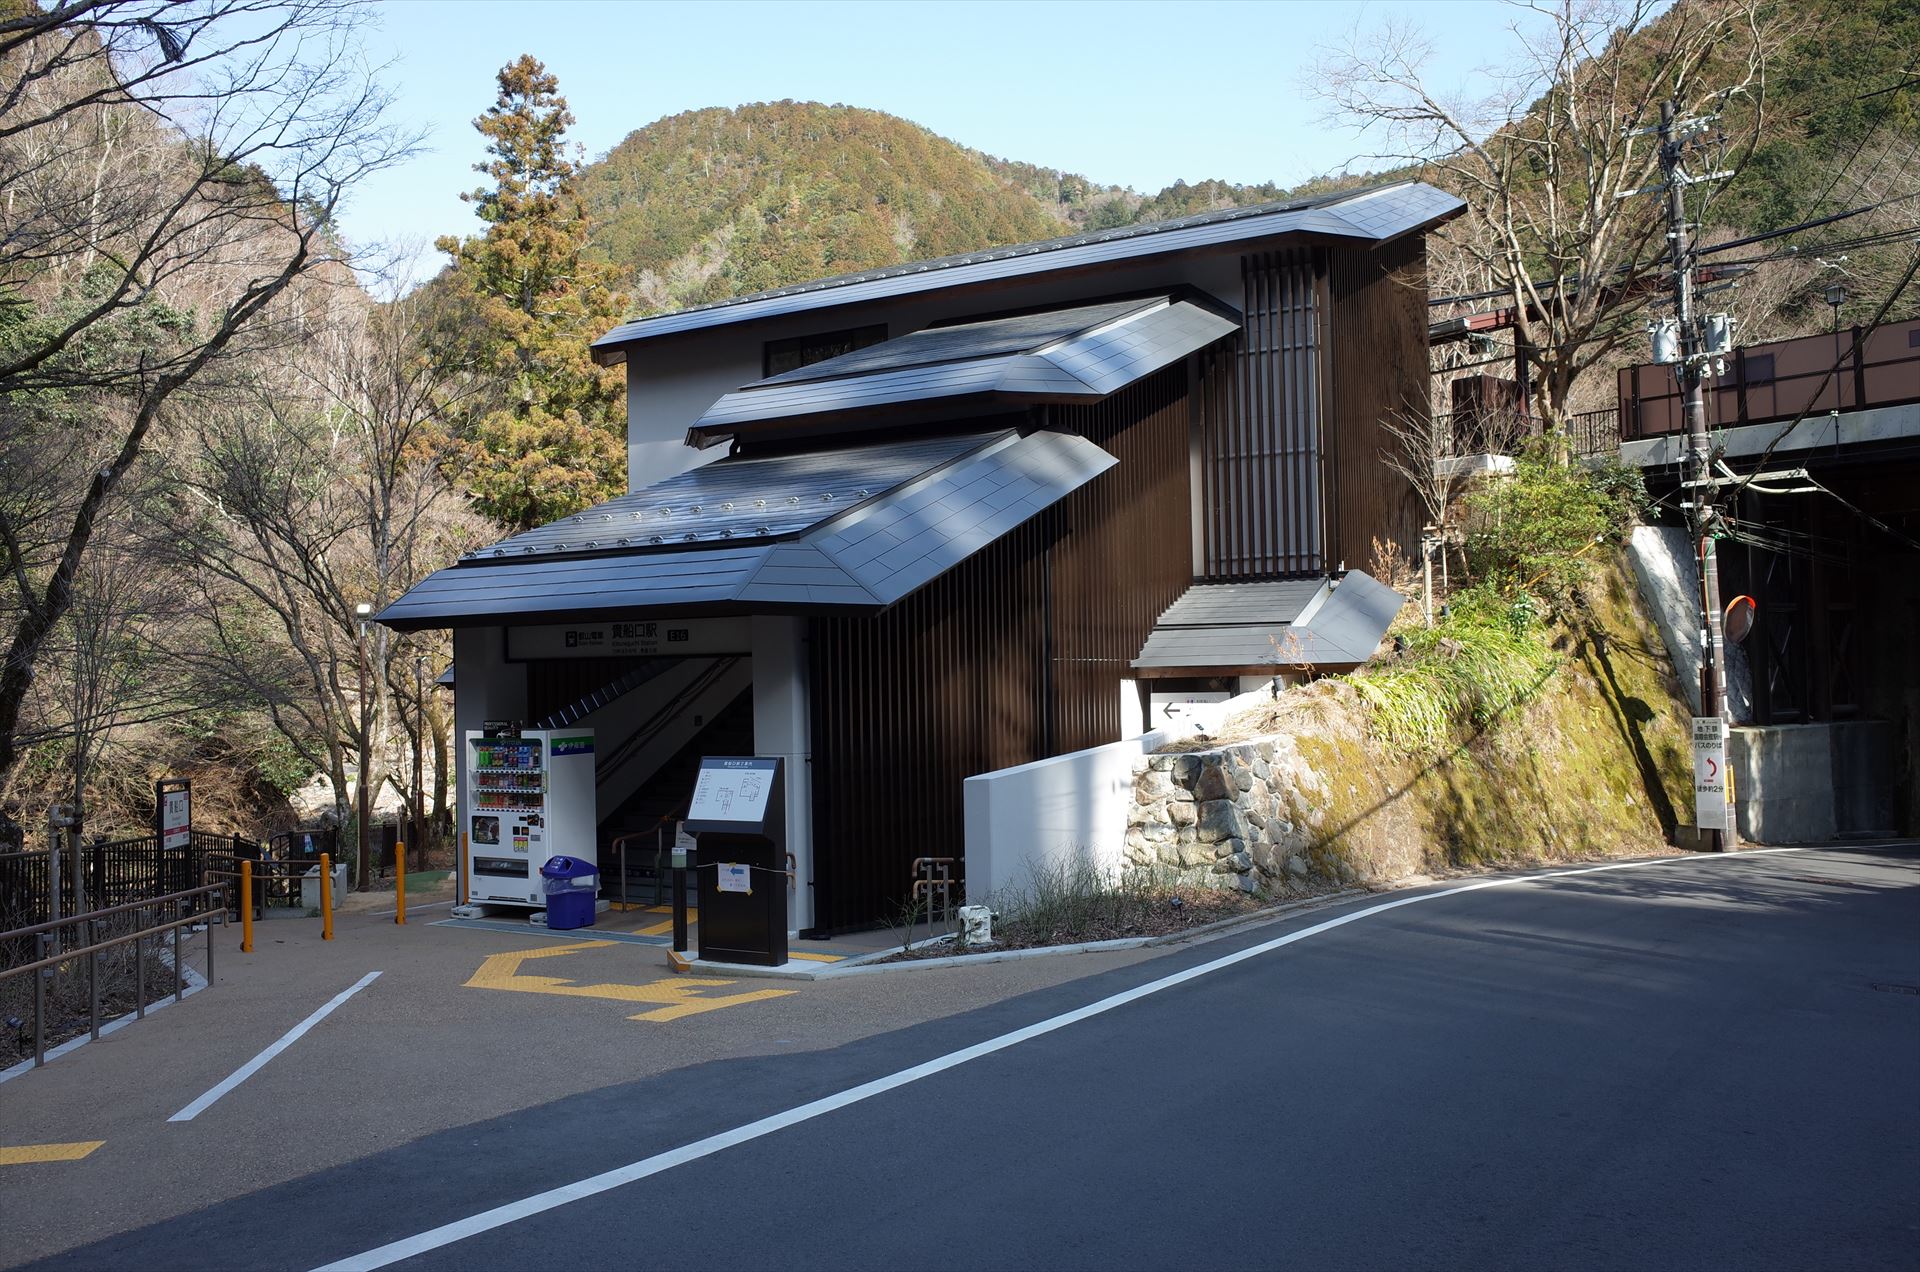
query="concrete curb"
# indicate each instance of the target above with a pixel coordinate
(870, 963)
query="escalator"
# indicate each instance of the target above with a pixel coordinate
(649, 814)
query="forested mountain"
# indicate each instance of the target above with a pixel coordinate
(713, 203)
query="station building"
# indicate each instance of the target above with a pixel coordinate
(908, 526)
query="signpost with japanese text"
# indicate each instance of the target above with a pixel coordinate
(1710, 772)
(173, 812)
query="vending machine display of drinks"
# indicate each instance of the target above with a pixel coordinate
(529, 797)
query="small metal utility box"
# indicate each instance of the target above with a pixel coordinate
(738, 816)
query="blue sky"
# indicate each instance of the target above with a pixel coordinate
(1132, 94)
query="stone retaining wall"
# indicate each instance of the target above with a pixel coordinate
(1251, 810)
(1598, 761)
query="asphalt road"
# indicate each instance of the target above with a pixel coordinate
(1697, 1063)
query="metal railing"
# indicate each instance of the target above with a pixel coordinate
(96, 875)
(1588, 433)
(50, 959)
(1594, 433)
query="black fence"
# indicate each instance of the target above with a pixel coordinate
(111, 873)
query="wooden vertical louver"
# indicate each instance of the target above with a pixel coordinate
(1016, 654)
(1261, 436)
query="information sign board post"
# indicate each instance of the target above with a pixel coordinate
(173, 812)
(738, 817)
(1710, 773)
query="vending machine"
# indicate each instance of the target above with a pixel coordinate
(529, 797)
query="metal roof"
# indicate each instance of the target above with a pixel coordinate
(956, 342)
(1270, 626)
(738, 499)
(1376, 214)
(1073, 354)
(862, 558)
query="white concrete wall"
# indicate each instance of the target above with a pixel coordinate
(485, 687)
(671, 382)
(1811, 783)
(1071, 807)
(1066, 809)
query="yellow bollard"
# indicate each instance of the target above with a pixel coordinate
(246, 907)
(400, 883)
(326, 897)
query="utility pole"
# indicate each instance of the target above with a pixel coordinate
(1702, 509)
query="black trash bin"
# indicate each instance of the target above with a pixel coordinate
(571, 887)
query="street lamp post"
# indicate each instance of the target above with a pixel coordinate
(363, 611)
(1836, 297)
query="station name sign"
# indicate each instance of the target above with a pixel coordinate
(632, 638)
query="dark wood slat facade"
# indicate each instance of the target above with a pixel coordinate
(1015, 655)
(1020, 653)
(1376, 366)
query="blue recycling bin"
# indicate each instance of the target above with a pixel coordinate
(571, 886)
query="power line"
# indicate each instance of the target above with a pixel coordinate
(1627, 271)
(1865, 137)
(1814, 224)
(1866, 516)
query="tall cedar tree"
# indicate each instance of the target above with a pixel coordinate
(552, 438)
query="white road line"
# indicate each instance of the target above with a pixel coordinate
(514, 1211)
(259, 1062)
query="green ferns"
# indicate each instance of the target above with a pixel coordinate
(1484, 659)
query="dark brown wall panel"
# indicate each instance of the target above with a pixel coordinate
(1123, 555)
(1014, 655)
(1377, 366)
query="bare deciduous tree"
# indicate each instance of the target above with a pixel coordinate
(1429, 450)
(169, 172)
(312, 490)
(1549, 160)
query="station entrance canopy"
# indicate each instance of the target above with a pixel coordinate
(848, 529)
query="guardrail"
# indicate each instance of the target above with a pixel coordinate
(45, 938)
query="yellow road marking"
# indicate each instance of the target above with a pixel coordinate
(681, 996)
(47, 1152)
(816, 958)
(661, 929)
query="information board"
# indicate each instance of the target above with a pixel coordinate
(732, 790)
(1709, 773)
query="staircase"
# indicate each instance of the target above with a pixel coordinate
(661, 800)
